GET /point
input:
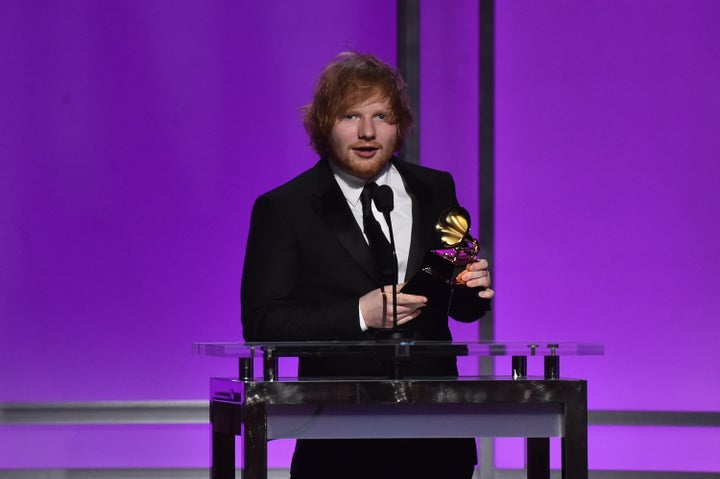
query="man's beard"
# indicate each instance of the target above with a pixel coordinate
(365, 168)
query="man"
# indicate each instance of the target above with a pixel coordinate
(310, 273)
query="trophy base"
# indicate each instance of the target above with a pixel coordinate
(434, 282)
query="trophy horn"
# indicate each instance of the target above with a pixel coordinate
(453, 228)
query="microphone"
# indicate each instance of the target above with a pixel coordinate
(385, 203)
(384, 200)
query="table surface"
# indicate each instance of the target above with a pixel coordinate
(397, 347)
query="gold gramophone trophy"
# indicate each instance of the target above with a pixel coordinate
(441, 267)
(460, 248)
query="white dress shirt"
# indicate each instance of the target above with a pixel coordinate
(401, 215)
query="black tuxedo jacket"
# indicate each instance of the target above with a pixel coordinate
(307, 264)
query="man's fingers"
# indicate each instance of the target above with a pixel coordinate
(486, 293)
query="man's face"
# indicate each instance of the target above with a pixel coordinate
(362, 141)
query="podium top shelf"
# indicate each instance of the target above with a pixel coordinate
(397, 348)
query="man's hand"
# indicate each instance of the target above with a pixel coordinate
(377, 307)
(477, 275)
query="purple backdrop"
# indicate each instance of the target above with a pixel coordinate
(608, 116)
(136, 136)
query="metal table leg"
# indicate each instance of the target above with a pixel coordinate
(574, 443)
(538, 458)
(255, 442)
(225, 423)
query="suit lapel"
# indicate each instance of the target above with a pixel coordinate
(331, 205)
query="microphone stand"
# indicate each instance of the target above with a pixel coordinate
(386, 214)
(383, 199)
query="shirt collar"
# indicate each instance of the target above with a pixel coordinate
(352, 186)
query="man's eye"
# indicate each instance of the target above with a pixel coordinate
(350, 116)
(381, 116)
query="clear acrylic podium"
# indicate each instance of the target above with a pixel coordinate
(395, 406)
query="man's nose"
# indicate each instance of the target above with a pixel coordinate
(366, 129)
